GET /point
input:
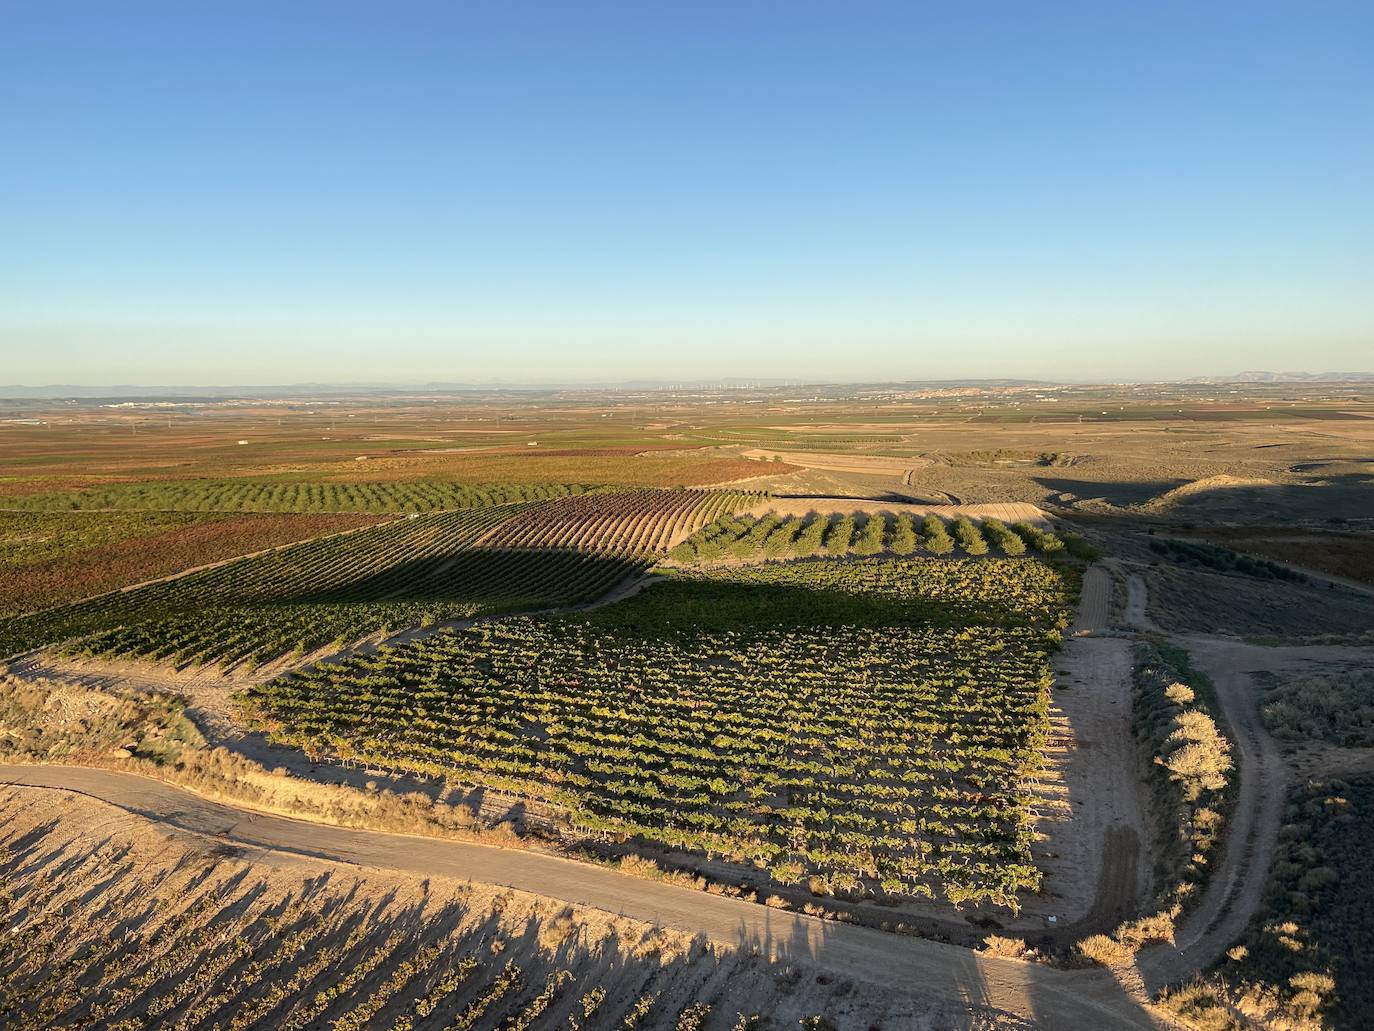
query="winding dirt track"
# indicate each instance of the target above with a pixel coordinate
(1087, 999)
(1236, 888)
(1237, 885)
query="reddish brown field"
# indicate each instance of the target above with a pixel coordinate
(108, 567)
(627, 468)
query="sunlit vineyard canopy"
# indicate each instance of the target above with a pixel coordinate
(864, 725)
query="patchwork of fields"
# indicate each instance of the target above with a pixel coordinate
(837, 687)
(860, 727)
(425, 568)
(330, 590)
(54, 558)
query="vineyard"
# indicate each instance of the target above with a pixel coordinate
(121, 929)
(330, 590)
(27, 538)
(772, 536)
(249, 496)
(860, 727)
(633, 522)
(53, 558)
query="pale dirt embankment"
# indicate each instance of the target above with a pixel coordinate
(131, 892)
(966, 983)
(1008, 512)
(840, 461)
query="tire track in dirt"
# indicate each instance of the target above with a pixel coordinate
(1094, 601)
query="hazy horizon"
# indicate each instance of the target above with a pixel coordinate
(33, 391)
(468, 192)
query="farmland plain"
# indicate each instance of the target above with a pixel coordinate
(814, 653)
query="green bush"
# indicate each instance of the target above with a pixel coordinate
(1003, 539)
(934, 537)
(869, 540)
(840, 535)
(1038, 539)
(968, 536)
(902, 538)
(1336, 707)
(809, 540)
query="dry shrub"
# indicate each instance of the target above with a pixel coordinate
(1196, 754)
(554, 932)
(1005, 948)
(1180, 694)
(1104, 950)
(647, 869)
(1211, 1005)
(638, 866)
(1158, 927)
(1200, 1006)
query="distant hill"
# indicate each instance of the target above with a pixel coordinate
(184, 393)
(1286, 377)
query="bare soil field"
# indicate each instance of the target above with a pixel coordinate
(841, 462)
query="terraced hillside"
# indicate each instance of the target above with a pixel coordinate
(116, 926)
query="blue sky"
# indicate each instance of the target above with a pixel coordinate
(266, 192)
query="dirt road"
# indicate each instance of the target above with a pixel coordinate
(1094, 823)
(1052, 998)
(1094, 601)
(1138, 603)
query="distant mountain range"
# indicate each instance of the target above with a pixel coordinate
(114, 392)
(1286, 377)
(59, 391)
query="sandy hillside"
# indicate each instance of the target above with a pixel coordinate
(114, 921)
